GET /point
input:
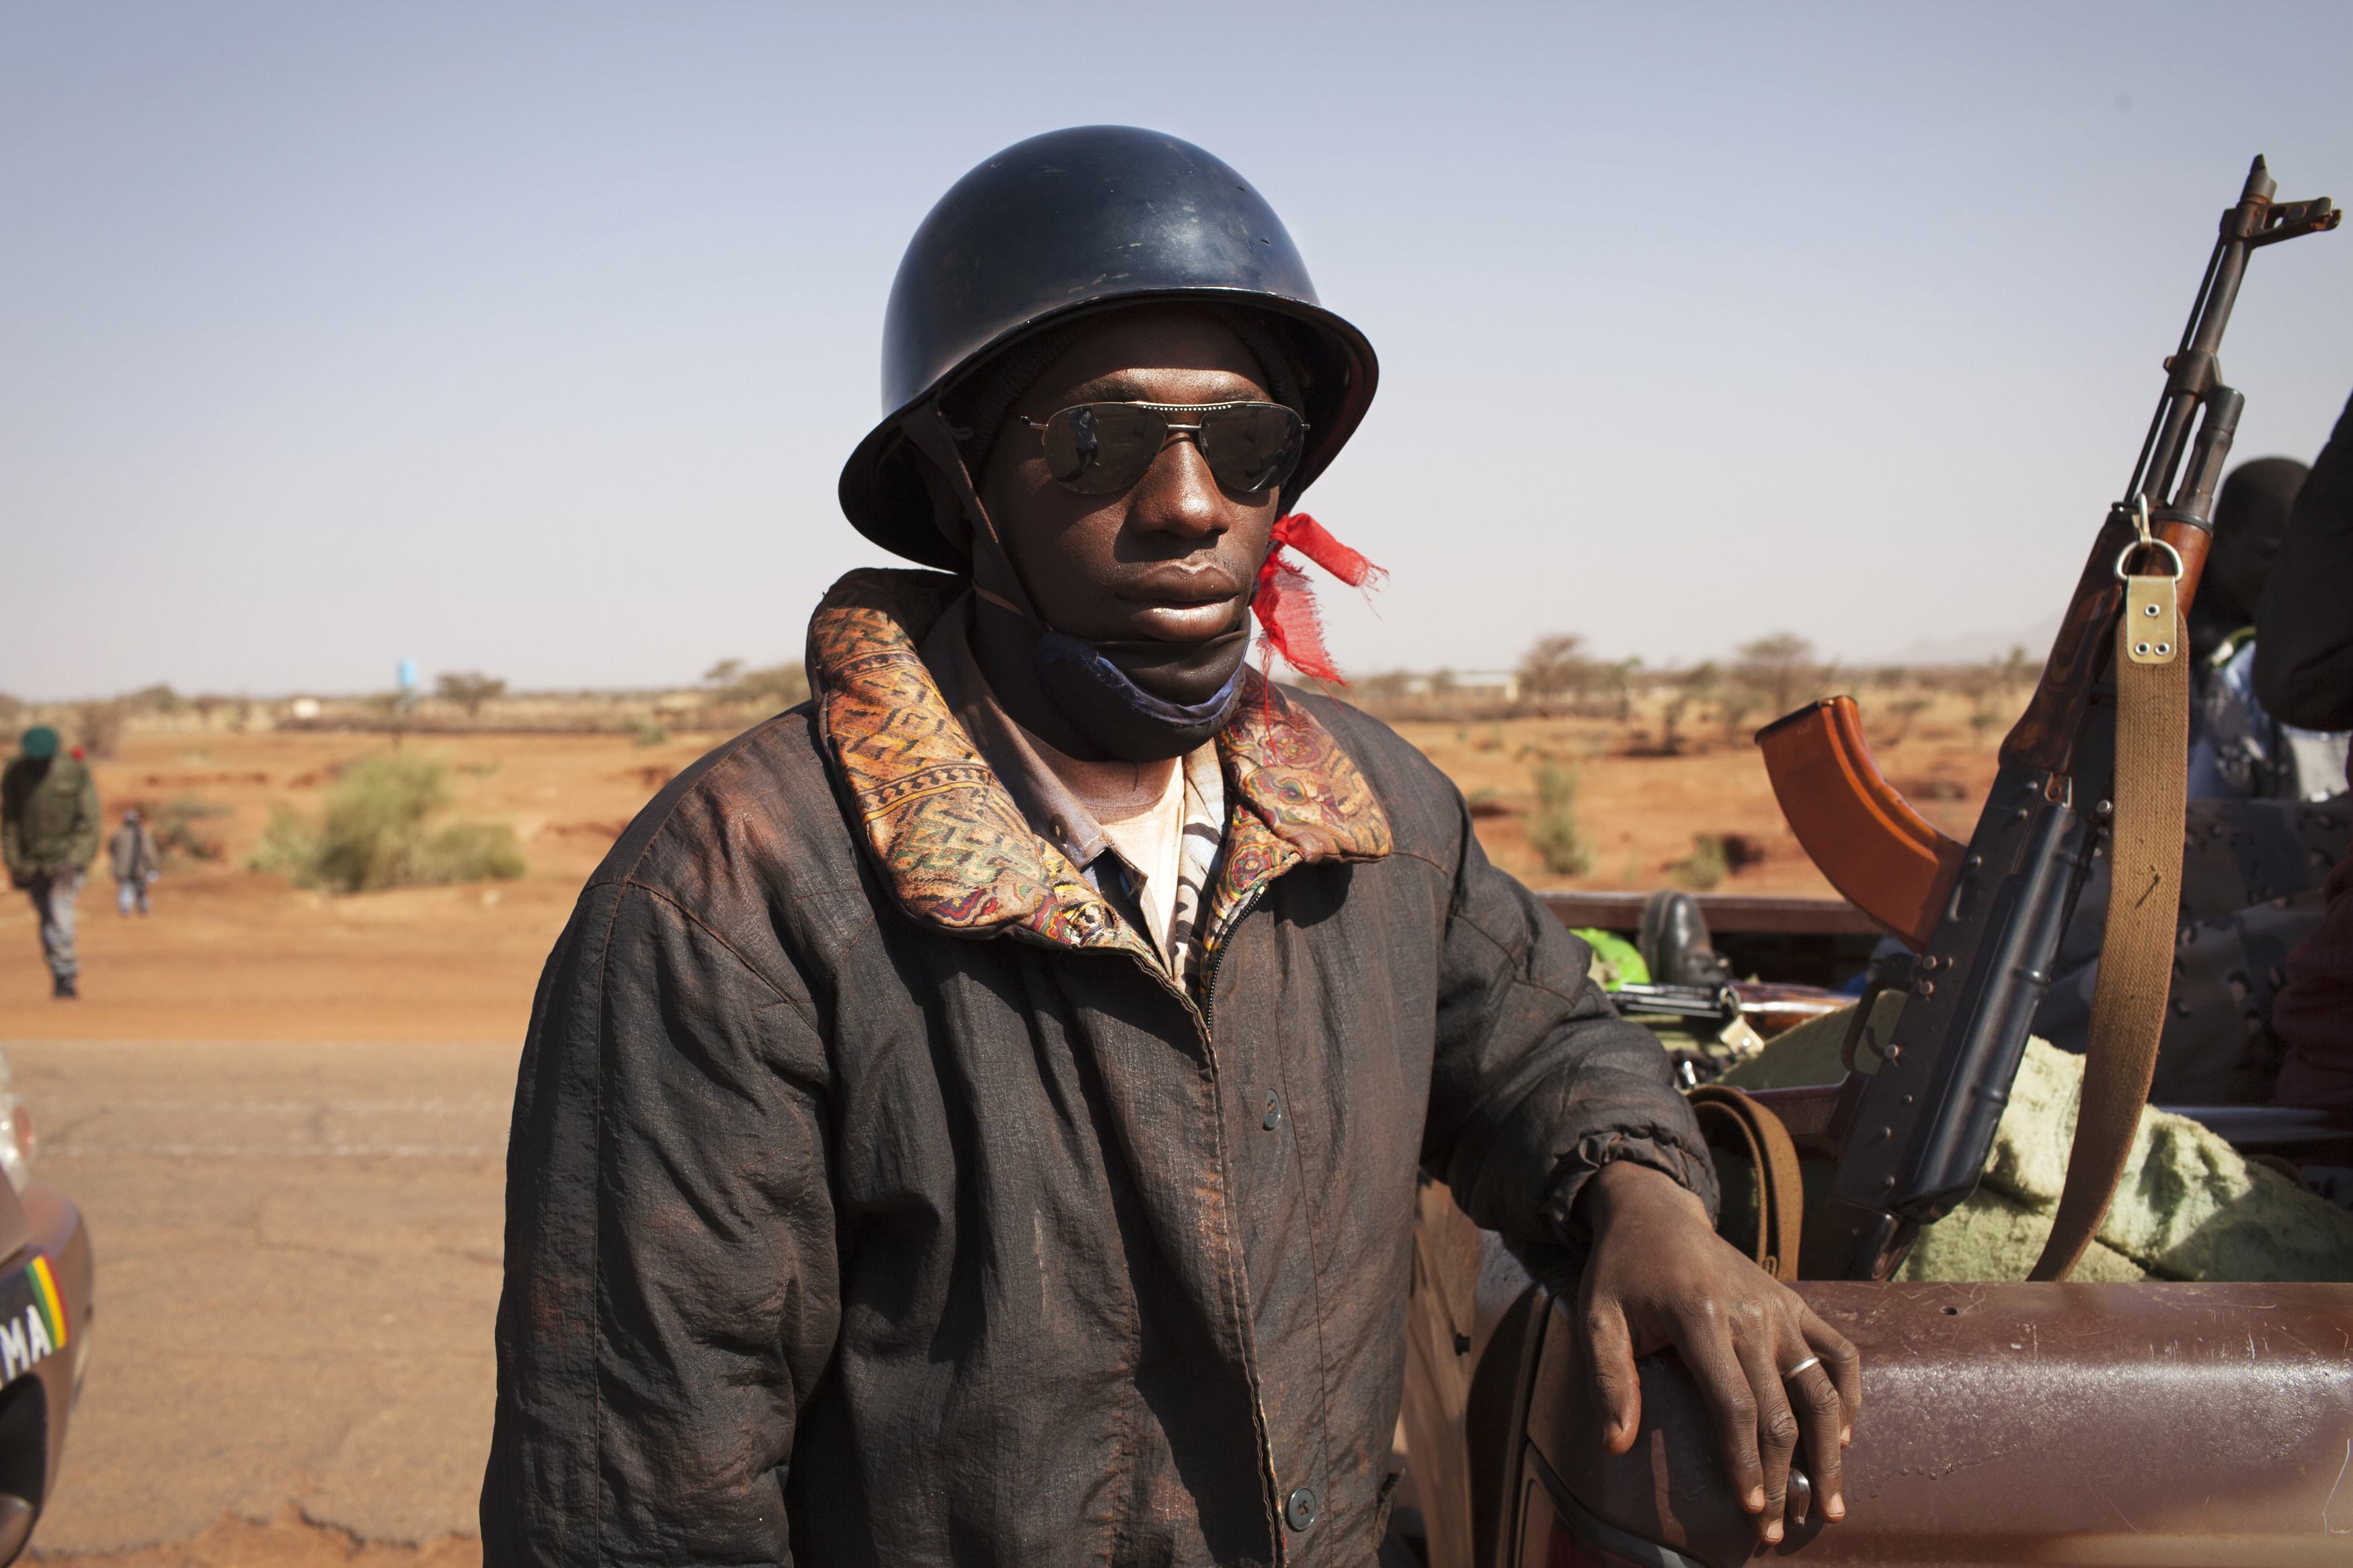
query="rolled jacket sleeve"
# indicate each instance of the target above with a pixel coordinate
(1537, 1082)
(671, 1293)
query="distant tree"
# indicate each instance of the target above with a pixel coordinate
(777, 686)
(1619, 675)
(157, 698)
(469, 689)
(1734, 705)
(1777, 668)
(1555, 667)
(1988, 686)
(96, 727)
(724, 672)
(1697, 684)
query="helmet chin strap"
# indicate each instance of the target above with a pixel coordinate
(933, 437)
(1091, 685)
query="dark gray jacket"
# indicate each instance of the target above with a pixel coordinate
(874, 1198)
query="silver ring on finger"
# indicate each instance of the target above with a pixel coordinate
(1809, 1361)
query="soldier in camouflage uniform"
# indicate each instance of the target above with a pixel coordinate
(2251, 878)
(2252, 869)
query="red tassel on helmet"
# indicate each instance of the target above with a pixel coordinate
(1285, 601)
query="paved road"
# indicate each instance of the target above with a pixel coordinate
(298, 1265)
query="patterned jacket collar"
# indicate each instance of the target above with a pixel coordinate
(956, 848)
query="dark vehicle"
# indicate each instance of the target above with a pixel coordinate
(2035, 1422)
(2149, 1424)
(44, 1324)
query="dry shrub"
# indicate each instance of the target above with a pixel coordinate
(177, 829)
(374, 835)
(1553, 831)
(1706, 866)
(1906, 709)
(467, 851)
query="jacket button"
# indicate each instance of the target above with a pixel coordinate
(1273, 1118)
(1299, 1508)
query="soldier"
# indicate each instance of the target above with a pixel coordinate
(2303, 672)
(975, 1116)
(2268, 816)
(49, 827)
(2236, 749)
(136, 863)
(2251, 881)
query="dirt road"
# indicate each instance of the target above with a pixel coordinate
(297, 1249)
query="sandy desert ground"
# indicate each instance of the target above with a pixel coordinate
(283, 1111)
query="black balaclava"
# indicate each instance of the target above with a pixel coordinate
(2249, 521)
(1141, 700)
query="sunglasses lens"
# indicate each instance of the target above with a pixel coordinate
(1252, 446)
(1098, 448)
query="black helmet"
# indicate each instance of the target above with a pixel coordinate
(1073, 222)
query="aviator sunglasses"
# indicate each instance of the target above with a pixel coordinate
(1099, 448)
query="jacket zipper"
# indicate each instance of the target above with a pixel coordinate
(1217, 958)
(1204, 1011)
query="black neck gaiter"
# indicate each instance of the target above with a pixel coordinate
(1107, 691)
(1138, 701)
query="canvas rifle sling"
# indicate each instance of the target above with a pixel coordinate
(1756, 1132)
(2128, 1001)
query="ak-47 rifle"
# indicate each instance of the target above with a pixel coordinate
(1986, 917)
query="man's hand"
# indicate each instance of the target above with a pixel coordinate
(1660, 1276)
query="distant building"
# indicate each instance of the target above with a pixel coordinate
(1492, 685)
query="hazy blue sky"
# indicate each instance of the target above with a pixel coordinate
(531, 339)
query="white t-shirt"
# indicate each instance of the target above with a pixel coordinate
(1141, 807)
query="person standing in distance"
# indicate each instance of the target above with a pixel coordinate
(49, 827)
(136, 863)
